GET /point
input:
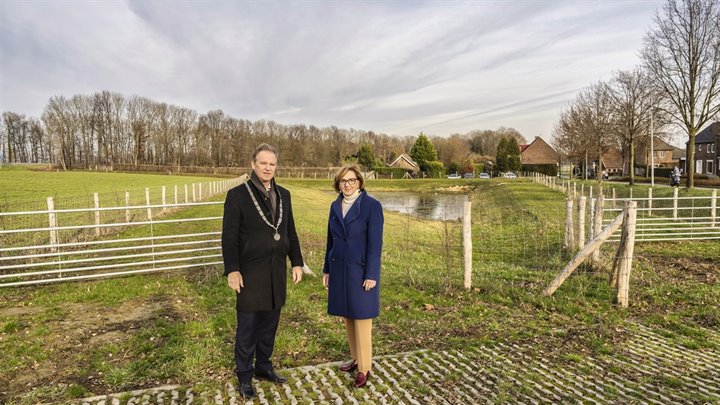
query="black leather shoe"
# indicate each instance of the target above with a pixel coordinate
(348, 366)
(270, 376)
(247, 391)
(361, 379)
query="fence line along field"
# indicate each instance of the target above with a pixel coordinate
(79, 339)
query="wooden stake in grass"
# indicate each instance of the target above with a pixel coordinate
(467, 243)
(581, 222)
(96, 197)
(713, 207)
(569, 236)
(52, 222)
(582, 255)
(127, 204)
(597, 225)
(626, 253)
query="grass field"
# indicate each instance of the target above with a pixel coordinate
(77, 339)
(30, 183)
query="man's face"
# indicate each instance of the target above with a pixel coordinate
(264, 165)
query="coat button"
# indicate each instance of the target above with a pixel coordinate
(333, 259)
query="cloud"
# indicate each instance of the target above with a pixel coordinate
(393, 67)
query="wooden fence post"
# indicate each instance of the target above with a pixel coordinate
(176, 195)
(467, 243)
(591, 228)
(569, 235)
(626, 252)
(147, 201)
(613, 197)
(713, 207)
(186, 194)
(96, 197)
(581, 222)
(194, 198)
(597, 225)
(675, 202)
(649, 206)
(582, 189)
(52, 222)
(584, 253)
(127, 204)
(200, 195)
(163, 198)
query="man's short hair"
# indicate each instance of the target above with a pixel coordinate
(343, 171)
(263, 147)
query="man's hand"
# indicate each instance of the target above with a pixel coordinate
(297, 274)
(326, 280)
(369, 284)
(235, 281)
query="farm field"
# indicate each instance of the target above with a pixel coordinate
(74, 340)
(33, 183)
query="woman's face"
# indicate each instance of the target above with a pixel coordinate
(349, 183)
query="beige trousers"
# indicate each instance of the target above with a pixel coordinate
(360, 339)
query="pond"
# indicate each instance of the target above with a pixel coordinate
(441, 207)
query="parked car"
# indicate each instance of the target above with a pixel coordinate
(510, 175)
(483, 176)
(469, 176)
(455, 176)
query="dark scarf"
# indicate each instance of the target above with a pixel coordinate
(270, 195)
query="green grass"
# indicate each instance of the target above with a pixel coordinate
(20, 184)
(178, 327)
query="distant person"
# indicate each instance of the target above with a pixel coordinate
(352, 266)
(675, 177)
(257, 238)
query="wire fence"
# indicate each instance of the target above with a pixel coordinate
(146, 233)
(520, 228)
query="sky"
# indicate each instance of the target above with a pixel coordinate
(394, 67)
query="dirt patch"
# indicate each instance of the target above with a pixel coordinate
(20, 311)
(683, 269)
(78, 330)
(456, 189)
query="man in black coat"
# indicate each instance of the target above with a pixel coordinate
(257, 238)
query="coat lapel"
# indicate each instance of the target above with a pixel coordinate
(354, 209)
(337, 210)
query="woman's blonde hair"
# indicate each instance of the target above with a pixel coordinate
(343, 171)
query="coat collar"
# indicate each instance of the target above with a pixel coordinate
(354, 211)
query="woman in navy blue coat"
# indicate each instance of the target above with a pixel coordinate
(352, 266)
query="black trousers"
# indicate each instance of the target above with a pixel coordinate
(254, 337)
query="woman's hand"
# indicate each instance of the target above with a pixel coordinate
(326, 280)
(369, 284)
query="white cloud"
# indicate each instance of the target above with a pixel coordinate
(393, 67)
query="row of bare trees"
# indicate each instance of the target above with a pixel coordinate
(678, 84)
(106, 129)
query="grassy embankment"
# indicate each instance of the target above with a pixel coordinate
(76, 339)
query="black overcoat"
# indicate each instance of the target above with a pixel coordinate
(248, 247)
(353, 255)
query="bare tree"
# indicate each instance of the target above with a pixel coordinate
(635, 107)
(682, 54)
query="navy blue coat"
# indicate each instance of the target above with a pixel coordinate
(354, 247)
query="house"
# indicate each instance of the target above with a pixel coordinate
(662, 153)
(404, 161)
(706, 150)
(612, 162)
(539, 157)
